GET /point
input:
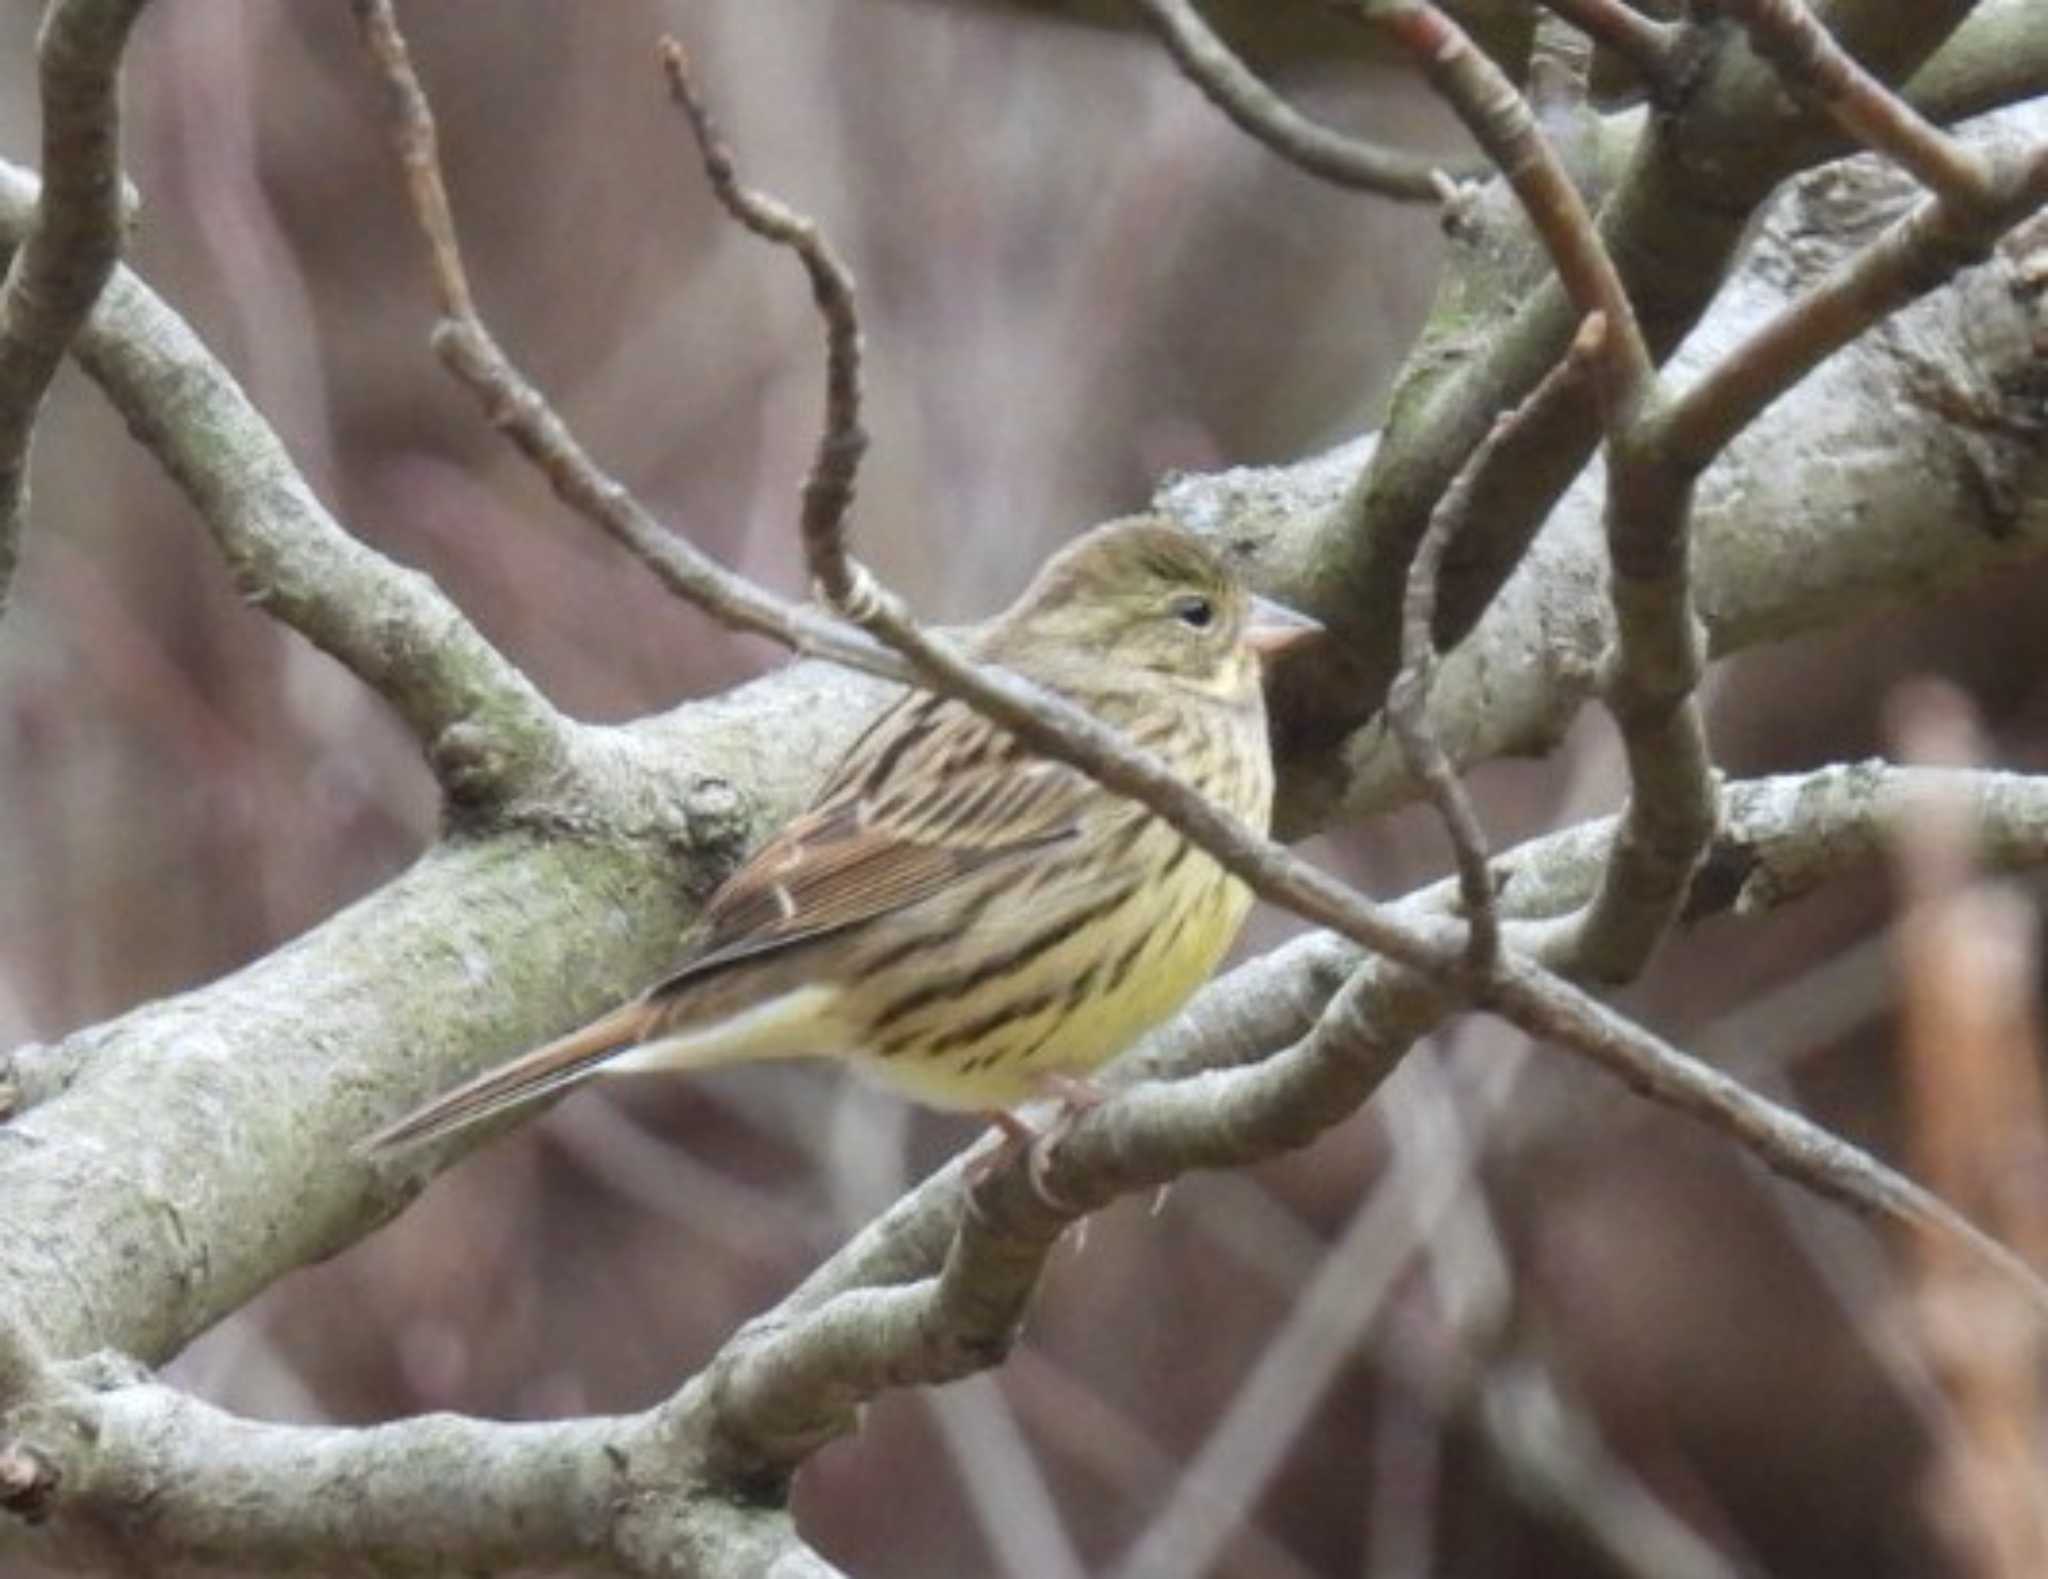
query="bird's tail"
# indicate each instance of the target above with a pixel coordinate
(653, 1032)
(527, 1078)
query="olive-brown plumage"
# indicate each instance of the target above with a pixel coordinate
(962, 919)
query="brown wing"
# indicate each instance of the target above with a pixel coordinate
(930, 795)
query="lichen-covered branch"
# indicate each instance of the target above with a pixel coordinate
(143, 1474)
(1678, 213)
(1937, 501)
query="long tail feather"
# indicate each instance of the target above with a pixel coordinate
(525, 1079)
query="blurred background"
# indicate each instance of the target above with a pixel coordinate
(1075, 276)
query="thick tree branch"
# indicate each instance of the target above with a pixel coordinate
(144, 1473)
(1928, 432)
(1783, 837)
(1694, 176)
(74, 240)
(1998, 58)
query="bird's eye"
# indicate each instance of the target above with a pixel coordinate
(1197, 613)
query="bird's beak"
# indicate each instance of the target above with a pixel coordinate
(1275, 628)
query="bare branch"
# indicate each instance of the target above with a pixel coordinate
(828, 490)
(486, 731)
(76, 237)
(1786, 34)
(1408, 701)
(1914, 257)
(1498, 117)
(1658, 657)
(131, 1466)
(466, 346)
(1674, 220)
(1263, 115)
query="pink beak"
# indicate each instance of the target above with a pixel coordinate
(1275, 628)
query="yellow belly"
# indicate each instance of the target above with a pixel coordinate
(1073, 1009)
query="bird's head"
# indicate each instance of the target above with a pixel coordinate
(1142, 595)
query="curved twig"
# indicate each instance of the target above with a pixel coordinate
(76, 238)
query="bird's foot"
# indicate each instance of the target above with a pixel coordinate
(1076, 1097)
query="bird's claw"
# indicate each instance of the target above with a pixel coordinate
(1076, 1097)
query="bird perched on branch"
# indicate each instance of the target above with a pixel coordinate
(970, 923)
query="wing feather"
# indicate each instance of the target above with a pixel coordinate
(931, 795)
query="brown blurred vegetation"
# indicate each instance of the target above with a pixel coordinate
(1075, 275)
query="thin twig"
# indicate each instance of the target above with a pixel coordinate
(1915, 256)
(1263, 115)
(57, 275)
(1408, 714)
(1499, 118)
(828, 490)
(519, 410)
(1801, 51)
(1658, 658)
(1408, 697)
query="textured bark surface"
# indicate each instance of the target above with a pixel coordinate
(162, 1168)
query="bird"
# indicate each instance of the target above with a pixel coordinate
(971, 924)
